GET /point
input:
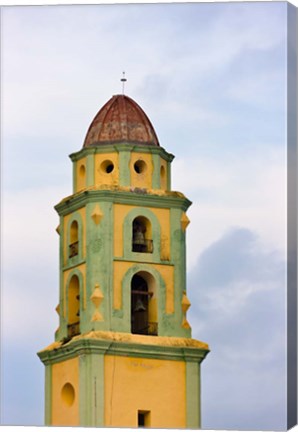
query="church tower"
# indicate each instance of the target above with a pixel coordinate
(123, 355)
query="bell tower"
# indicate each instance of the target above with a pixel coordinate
(123, 355)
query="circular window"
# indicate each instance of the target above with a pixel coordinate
(140, 166)
(107, 166)
(68, 394)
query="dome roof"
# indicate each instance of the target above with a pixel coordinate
(121, 119)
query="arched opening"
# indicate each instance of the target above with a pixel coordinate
(163, 179)
(73, 319)
(142, 235)
(143, 304)
(82, 172)
(74, 239)
(81, 176)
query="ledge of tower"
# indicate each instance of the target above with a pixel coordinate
(166, 341)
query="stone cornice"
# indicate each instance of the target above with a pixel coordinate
(132, 196)
(126, 344)
(108, 148)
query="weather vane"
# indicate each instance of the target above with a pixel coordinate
(123, 80)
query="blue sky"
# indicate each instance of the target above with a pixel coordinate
(212, 79)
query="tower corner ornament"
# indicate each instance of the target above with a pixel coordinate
(123, 355)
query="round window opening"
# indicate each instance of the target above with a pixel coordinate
(140, 166)
(107, 166)
(68, 394)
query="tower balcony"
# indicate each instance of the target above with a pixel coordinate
(73, 249)
(151, 329)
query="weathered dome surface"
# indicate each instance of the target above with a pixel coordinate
(121, 119)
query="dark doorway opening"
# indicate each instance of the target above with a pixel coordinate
(143, 418)
(139, 305)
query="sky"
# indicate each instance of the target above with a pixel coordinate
(212, 80)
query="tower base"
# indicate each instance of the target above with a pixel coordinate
(123, 380)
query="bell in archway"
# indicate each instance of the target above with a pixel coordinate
(139, 306)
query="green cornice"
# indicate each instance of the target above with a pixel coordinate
(69, 266)
(134, 196)
(108, 148)
(86, 345)
(141, 261)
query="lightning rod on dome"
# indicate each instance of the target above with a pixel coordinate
(123, 80)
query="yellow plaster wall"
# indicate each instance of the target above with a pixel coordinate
(163, 216)
(63, 373)
(66, 273)
(82, 212)
(102, 177)
(144, 179)
(81, 179)
(133, 384)
(166, 271)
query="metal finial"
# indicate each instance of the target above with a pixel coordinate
(123, 80)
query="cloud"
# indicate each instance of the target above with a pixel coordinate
(236, 189)
(30, 276)
(50, 76)
(238, 296)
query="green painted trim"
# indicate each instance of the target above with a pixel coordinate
(97, 381)
(136, 197)
(140, 260)
(91, 392)
(84, 401)
(156, 171)
(124, 171)
(99, 263)
(123, 323)
(169, 176)
(119, 147)
(76, 259)
(127, 235)
(178, 256)
(75, 272)
(127, 349)
(60, 332)
(75, 156)
(74, 176)
(193, 399)
(48, 395)
(90, 180)
(70, 266)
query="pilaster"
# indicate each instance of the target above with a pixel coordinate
(90, 170)
(193, 403)
(48, 394)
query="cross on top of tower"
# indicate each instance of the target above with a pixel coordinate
(123, 80)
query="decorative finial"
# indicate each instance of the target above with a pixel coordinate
(123, 80)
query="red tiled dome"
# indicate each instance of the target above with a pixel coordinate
(121, 119)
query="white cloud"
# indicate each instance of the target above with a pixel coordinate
(238, 296)
(234, 191)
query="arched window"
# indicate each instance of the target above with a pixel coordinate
(142, 235)
(74, 239)
(143, 305)
(163, 177)
(73, 318)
